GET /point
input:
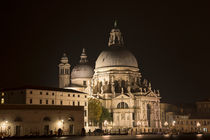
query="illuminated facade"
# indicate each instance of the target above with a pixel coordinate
(45, 96)
(118, 84)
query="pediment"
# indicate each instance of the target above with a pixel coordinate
(122, 96)
(151, 94)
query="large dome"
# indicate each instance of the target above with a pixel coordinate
(115, 57)
(82, 71)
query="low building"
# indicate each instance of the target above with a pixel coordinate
(21, 120)
(32, 95)
(203, 106)
(168, 112)
(185, 119)
(192, 124)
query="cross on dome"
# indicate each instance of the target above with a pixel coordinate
(83, 57)
(115, 38)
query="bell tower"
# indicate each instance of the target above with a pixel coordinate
(64, 72)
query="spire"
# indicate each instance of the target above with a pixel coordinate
(115, 38)
(83, 57)
(64, 58)
(115, 24)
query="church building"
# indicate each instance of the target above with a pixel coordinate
(117, 82)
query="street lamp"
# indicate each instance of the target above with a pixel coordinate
(198, 126)
(166, 124)
(63, 124)
(4, 126)
(138, 125)
(173, 123)
(105, 124)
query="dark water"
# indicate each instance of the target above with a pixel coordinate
(138, 137)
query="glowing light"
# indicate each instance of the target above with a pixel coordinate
(173, 123)
(139, 136)
(166, 135)
(198, 124)
(199, 135)
(105, 123)
(106, 137)
(2, 100)
(59, 123)
(166, 124)
(4, 124)
(138, 123)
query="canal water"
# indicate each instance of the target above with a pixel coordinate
(124, 137)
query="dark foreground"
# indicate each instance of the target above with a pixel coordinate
(107, 137)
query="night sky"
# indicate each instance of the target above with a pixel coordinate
(170, 41)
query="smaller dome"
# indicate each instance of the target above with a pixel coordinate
(82, 71)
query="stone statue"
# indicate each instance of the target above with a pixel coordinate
(102, 90)
(150, 85)
(112, 85)
(122, 90)
(106, 87)
(129, 89)
(140, 89)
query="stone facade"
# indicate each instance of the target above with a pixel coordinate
(120, 87)
(185, 119)
(21, 120)
(191, 124)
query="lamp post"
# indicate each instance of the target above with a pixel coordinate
(63, 124)
(166, 125)
(105, 124)
(138, 124)
(198, 127)
(4, 126)
(173, 125)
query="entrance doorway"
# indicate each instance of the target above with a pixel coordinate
(71, 129)
(46, 130)
(17, 130)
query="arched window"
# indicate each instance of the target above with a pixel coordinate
(70, 119)
(122, 105)
(46, 119)
(18, 119)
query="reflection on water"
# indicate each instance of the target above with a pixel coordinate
(136, 137)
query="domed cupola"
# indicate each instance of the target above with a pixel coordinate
(116, 69)
(116, 55)
(82, 72)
